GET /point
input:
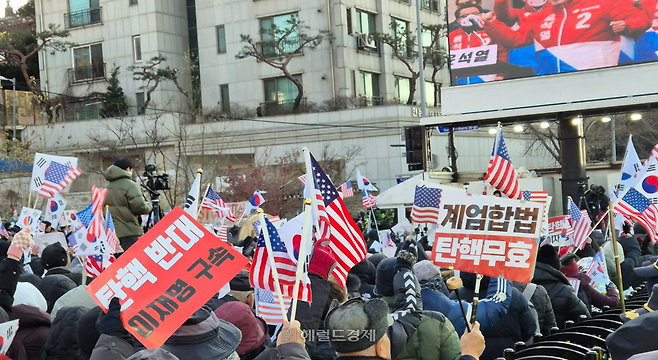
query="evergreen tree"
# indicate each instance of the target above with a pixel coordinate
(115, 100)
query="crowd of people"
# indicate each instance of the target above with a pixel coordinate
(398, 307)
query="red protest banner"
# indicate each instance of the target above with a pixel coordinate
(558, 231)
(167, 275)
(488, 235)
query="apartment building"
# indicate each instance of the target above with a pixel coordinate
(353, 64)
(106, 34)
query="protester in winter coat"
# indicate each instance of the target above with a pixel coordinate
(365, 271)
(255, 337)
(62, 343)
(11, 268)
(126, 202)
(634, 337)
(32, 332)
(88, 332)
(632, 254)
(566, 304)
(241, 290)
(594, 298)
(75, 297)
(362, 315)
(610, 264)
(490, 309)
(542, 303)
(56, 261)
(434, 337)
(28, 294)
(53, 287)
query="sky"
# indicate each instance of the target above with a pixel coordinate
(15, 4)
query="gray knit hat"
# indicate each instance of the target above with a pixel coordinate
(357, 324)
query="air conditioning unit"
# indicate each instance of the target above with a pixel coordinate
(365, 41)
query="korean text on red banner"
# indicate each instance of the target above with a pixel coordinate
(488, 235)
(558, 231)
(167, 275)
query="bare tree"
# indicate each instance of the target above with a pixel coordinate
(280, 44)
(403, 43)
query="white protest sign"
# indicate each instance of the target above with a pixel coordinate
(29, 218)
(471, 57)
(44, 240)
(7, 333)
(41, 163)
(55, 209)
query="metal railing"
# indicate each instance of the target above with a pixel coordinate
(83, 18)
(86, 73)
(272, 108)
(269, 50)
(432, 5)
(368, 101)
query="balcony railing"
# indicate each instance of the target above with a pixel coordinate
(269, 50)
(272, 108)
(368, 101)
(432, 5)
(87, 73)
(83, 18)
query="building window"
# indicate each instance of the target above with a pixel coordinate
(370, 88)
(432, 94)
(281, 89)
(349, 20)
(137, 48)
(273, 28)
(226, 101)
(432, 5)
(365, 26)
(88, 63)
(402, 89)
(83, 12)
(221, 39)
(139, 97)
(399, 31)
(134, 2)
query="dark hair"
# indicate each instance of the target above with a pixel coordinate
(497, 192)
(124, 163)
(466, 6)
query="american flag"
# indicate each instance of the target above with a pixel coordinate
(223, 233)
(369, 201)
(267, 306)
(535, 196)
(302, 179)
(580, 223)
(213, 202)
(500, 172)
(56, 178)
(95, 229)
(347, 189)
(95, 264)
(3, 231)
(346, 240)
(112, 240)
(426, 206)
(639, 208)
(85, 216)
(262, 276)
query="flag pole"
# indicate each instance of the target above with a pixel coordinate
(29, 198)
(83, 261)
(307, 231)
(198, 211)
(310, 183)
(476, 298)
(270, 257)
(617, 262)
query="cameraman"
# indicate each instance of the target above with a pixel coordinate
(126, 202)
(597, 201)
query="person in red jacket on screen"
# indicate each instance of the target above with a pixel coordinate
(572, 35)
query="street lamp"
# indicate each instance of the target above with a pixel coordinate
(13, 83)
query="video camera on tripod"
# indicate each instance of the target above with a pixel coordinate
(154, 184)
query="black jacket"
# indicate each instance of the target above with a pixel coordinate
(543, 306)
(632, 254)
(566, 304)
(62, 270)
(53, 287)
(62, 342)
(10, 271)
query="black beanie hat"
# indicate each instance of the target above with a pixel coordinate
(385, 275)
(54, 255)
(548, 255)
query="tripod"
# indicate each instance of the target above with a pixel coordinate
(156, 214)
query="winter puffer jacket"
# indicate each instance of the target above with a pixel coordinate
(632, 254)
(53, 287)
(490, 309)
(62, 341)
(126, 202)
(32, 333)
(543, 306)
(422, 335)
(566, 304)
(10, 271)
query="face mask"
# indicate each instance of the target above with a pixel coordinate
(536, 3)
